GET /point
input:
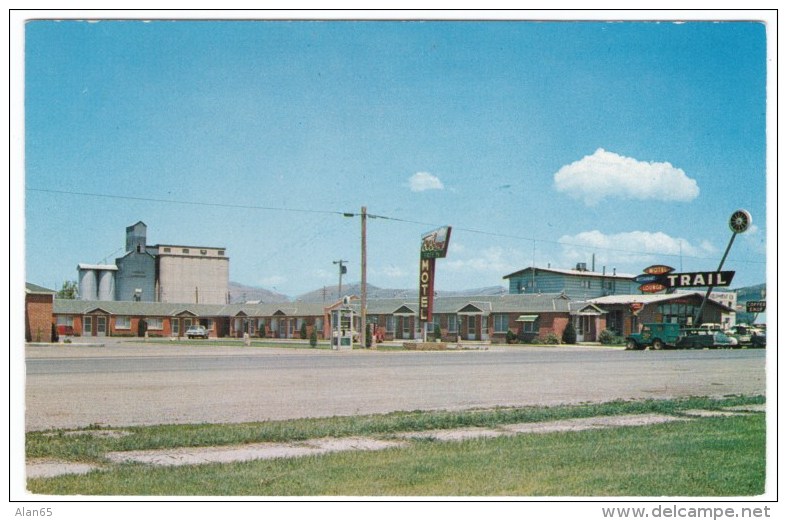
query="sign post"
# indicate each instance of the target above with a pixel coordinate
(434, 245)
(739, 222)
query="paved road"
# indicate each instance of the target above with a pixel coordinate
(125, 384)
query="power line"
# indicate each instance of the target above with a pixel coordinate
(191, 203)
(381, 217)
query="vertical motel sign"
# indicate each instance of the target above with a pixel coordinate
(434, 245)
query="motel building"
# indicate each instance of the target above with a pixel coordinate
(472, 319)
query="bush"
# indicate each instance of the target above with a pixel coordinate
(304, 334)
(549, 338)
(511, 337)
(261, 331)
(609, 337)
(438, 333)
(570, 334)
(313, 338)
(368, 339)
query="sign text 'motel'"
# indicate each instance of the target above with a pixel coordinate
(434, 245)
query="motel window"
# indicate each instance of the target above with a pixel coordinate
(221, 253)
(175, 326)
(318, 323)
(88, 325)
(156, 323)
(65, 320)
(452, 323)
(529, 326)
(390, 323)
(123, 322)
(501, 323)
(203, 252)
(167, 250)
(185, 250)
(585, 283)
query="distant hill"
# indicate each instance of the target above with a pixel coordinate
(331, 293)
(240, 293)
(756, 292)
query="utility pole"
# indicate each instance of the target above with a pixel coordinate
(342, 271)
(363, 276)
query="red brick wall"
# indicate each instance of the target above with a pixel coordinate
(38, 318)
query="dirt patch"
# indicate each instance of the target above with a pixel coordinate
(747, 408)
(453, 434)
(50, 469)
(710, 414)
(574, 424)
(255, 451)
(96, 433)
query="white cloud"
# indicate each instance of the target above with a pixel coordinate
(489, 260)
(273, 280)
(606, 174)
(397, 272)
(422, 181)
(628, 247)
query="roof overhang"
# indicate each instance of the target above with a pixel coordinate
(471, 309)
(404, 311)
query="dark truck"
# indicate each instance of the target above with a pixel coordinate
(668, 335)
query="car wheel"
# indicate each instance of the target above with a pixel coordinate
(631, 345)
(658, 345)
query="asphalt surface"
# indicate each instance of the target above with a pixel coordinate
(126, 384)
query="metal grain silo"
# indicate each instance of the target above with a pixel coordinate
(106, 284)
(88, 284)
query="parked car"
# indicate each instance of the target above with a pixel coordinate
(747, 335)
(197, 332)
(701, 338)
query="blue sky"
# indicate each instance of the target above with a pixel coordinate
(552, 143)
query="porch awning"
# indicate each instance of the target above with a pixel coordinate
(526, 318)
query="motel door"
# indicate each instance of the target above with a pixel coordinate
(472, 327)
(101, 325)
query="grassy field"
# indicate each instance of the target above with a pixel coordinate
(722, 456)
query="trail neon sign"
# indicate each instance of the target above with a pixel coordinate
(659, 277)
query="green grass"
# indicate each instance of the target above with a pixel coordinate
(76, 447)
(703, 457)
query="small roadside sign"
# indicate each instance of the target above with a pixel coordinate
(755, 306)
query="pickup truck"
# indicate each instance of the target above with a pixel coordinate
(656, 335)
(663, 335)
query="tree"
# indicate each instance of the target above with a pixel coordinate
(313, 338)
(438, 333)
(570, 334)
(304, 334)
(69, 291)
